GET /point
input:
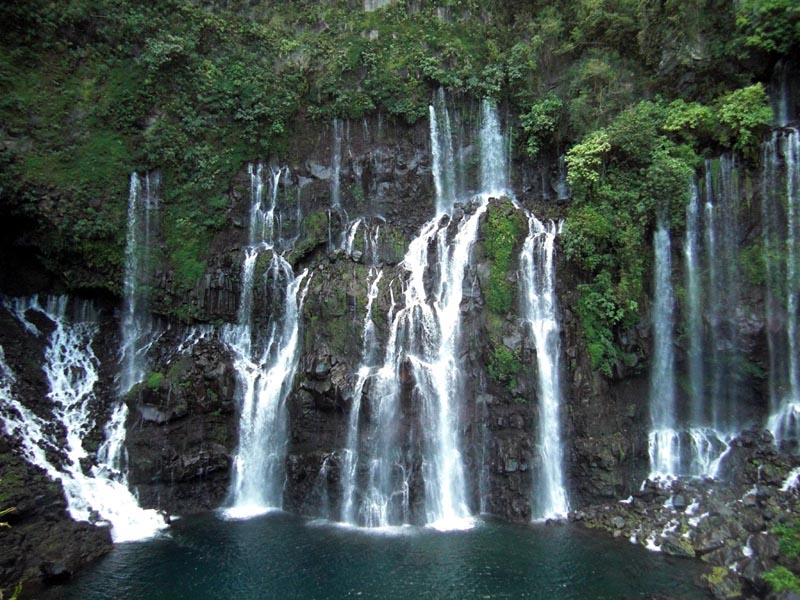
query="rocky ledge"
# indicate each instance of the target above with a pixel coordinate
(41, 543)
(744, 525)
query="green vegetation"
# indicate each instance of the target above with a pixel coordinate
(91, 90)
(504, 365)
(782, 579)
(3, 513)
(788, 539)
(502, 235)
(154, 380)
(14, 595)
(627, 176)
(769, 25)
(540, 123)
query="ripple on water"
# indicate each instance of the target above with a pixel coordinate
(284, 557)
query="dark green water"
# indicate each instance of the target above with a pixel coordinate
(284, 557)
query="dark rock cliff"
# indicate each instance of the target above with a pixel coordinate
(182, 425)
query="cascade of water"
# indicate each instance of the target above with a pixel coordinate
(262, 218)
(265, 364)
(781, 237)
(422, 363)
(694, 306)
(562, 187)
(368, 356)
(539, 304)
(494, 181)
(783, 91)
(430, 327)
(722, 228)
(774, 275)
(350, 238)
(791, 156)
(265, 371)
(444, 170)
(663, 443)
(137, 326)
(336, 164)
(70, 366)
(694, 446)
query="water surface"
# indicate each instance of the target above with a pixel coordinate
(285, 557)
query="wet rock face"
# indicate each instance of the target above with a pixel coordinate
(42, 542)
(606, 419)
(728, 524)
(182, 431)
(385, 178)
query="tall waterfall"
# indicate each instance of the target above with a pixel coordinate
(336, 164)
(692, 441)
(368, 357)
(722, 239)
(663, 442)
(411, 444)
(136, 323)
(494, 157)
(694, 306)
(539, 304)
(444, 161)
(137, 330)
(781, 230)
(265, 361)
(98, 493)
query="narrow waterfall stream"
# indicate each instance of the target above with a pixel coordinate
(781, 213)
(336, 165)
(137, 329)
(442, 155)
(664, 442)
(368, 358)
(540, 310)
(265, 361)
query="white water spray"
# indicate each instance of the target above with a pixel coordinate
(70, 366)
(539, 304)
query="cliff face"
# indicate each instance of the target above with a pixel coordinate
(182, 426)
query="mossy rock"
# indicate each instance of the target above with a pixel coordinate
(502, 235)
(314, 233)
(723, 583)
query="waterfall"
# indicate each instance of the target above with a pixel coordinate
(693, 442)
(336, 164)
(722, 242)
(562, 187)
(368, 355)
(136, 323)
(443, 156)
(706, 444)
(98, 493)
(262, 218)
(137, 330)
(781, 205)
(265, 362)
(494, 161)
(539, 305)
(423, 349)
(406, 453)
(694, 306)
(663, 442)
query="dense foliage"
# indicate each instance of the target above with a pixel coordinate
(636, 92)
